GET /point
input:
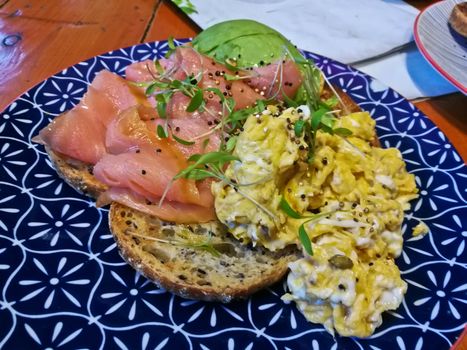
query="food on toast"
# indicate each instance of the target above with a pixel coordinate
(232, 158)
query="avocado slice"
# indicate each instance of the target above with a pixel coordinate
(246, 41)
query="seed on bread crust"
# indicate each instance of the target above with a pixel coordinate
(77, 174)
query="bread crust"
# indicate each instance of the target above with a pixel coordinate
(76, 174)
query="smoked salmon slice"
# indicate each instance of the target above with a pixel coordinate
(148, 172)
(168, 211)
(80, 133)
(114, 128)
(277, 79)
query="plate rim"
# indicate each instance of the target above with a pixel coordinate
(428, 56)
(158, 41)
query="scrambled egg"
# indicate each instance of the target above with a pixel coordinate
(269, 155)
(420, 230)
(351, 278)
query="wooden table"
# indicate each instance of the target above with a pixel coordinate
(40, 38)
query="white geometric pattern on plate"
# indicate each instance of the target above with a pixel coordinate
(63, 283)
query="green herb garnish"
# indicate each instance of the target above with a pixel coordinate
(161, 132)
(185, 242)
(182, 141)
(302, 234)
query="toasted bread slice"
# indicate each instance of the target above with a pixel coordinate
(458, 19)
(77, 174)
(199, 261)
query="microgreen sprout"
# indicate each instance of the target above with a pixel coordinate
(185, 242)
(302, 234)
(210, 165)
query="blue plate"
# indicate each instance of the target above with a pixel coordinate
(64, 285)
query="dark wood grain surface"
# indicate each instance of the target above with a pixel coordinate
(41, 37)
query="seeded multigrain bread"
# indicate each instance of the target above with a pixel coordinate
(458, 18)
(76, 173)
(198, 261)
